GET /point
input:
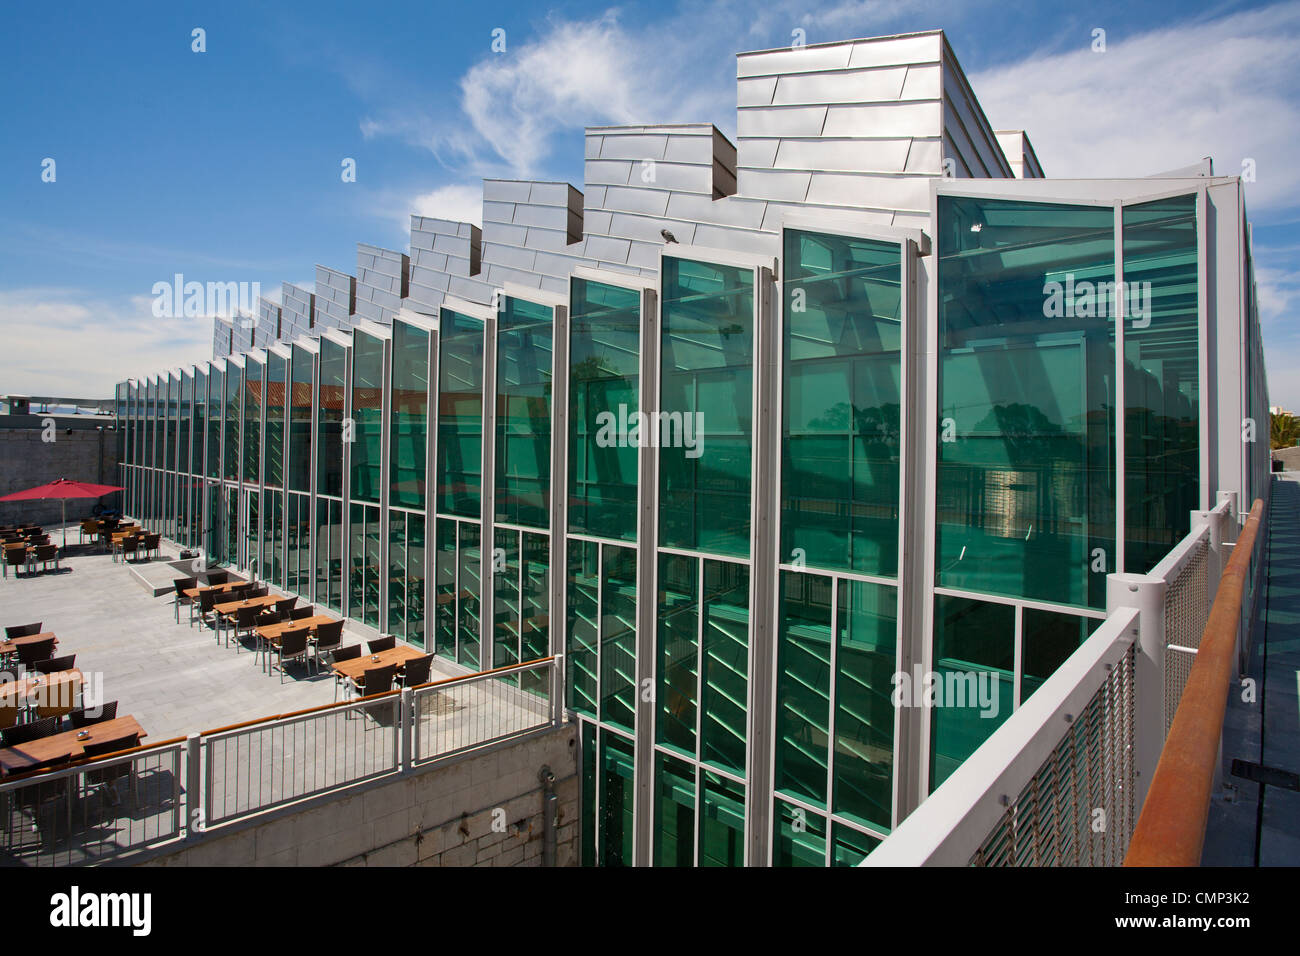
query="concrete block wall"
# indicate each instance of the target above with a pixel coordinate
(336, 298)
(381, 282)
(439, 816)
(532, 233)
(268, 328)
(297, 311)
(443, 251)
(83, 450)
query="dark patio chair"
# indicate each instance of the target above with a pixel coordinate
(349, 653)
(22, 630)
(182, 585)
(416, 672)
(300, 613)
(291, 647)
(26, 733)
(106, 778)
(54, 665)
(29, 654)
(381, 644)
(93, 714)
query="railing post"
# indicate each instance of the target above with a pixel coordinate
(1148, 596)
(408, 726)
(193, 789)
(557, 690)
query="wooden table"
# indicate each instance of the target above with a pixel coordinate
(58, 746)
(15, 693)
(8, 646)
(398, 655)
(271, 632)
(193, 593)
(230, 608)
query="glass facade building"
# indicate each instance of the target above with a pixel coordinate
(752, 489)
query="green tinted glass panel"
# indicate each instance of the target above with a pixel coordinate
(298, 462)
(273, 538)
(460, 414)
(254, 400)
(587, 836)
(841, 439)
(679, 642)
(864, 713)
(535, 625)
(974, 659)
(706, 397)
(722, 822)
(604, 395)
(329, 553)
(363, 558)
(849, 847)
(674, 836)
(277, 374)
(1047, 639)
(199, 424)
(803, 686)
(726, 665)
(406, 575)
(409, 431)
(183, 420)
(297, 528)
(169, 423)
(216, 385)
(1026, 392)
(367, 416)
(583, 591)
(469, 628)
(616, 794)
(1161, 378)
(523, 422)
(444, 578)
(233, 419)
(506, 589)
(618, 636)
(799, 837)
(329, 431)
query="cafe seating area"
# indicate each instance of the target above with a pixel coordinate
(49, 722)
(279, 632)
(25, 548)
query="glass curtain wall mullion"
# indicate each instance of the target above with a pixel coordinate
(458, 498)
(274, 536)
(706, 381)
(366, 476)
(329, 455)
(298, 519)
(408, 486)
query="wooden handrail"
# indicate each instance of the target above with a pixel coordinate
(1171, 828)
(84, 761)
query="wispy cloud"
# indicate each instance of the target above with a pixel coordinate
(63, 342)
(1224, 87)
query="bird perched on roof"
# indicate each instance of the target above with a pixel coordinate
(668, 236)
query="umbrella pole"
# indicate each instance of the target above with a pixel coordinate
(65, 524)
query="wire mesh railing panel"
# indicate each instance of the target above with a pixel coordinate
(454, 716)
(251, 769)
(93, 813)
(1187, 608)
(1078, 808)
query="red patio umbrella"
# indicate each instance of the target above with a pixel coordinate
(63, 489)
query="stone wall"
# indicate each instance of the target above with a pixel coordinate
(441, 816)
(80, 451)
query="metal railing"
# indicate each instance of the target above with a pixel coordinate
(1171, 829)
(1029, 793)
(1061, 782)
(93, 811)
(252, 767)
(459, 714)
(209, 780)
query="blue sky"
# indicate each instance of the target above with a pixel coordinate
(225, 165)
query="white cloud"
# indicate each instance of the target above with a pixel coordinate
(60, 342)
(1224, 88)
(455, 202)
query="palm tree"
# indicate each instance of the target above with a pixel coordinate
(1284, 430)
